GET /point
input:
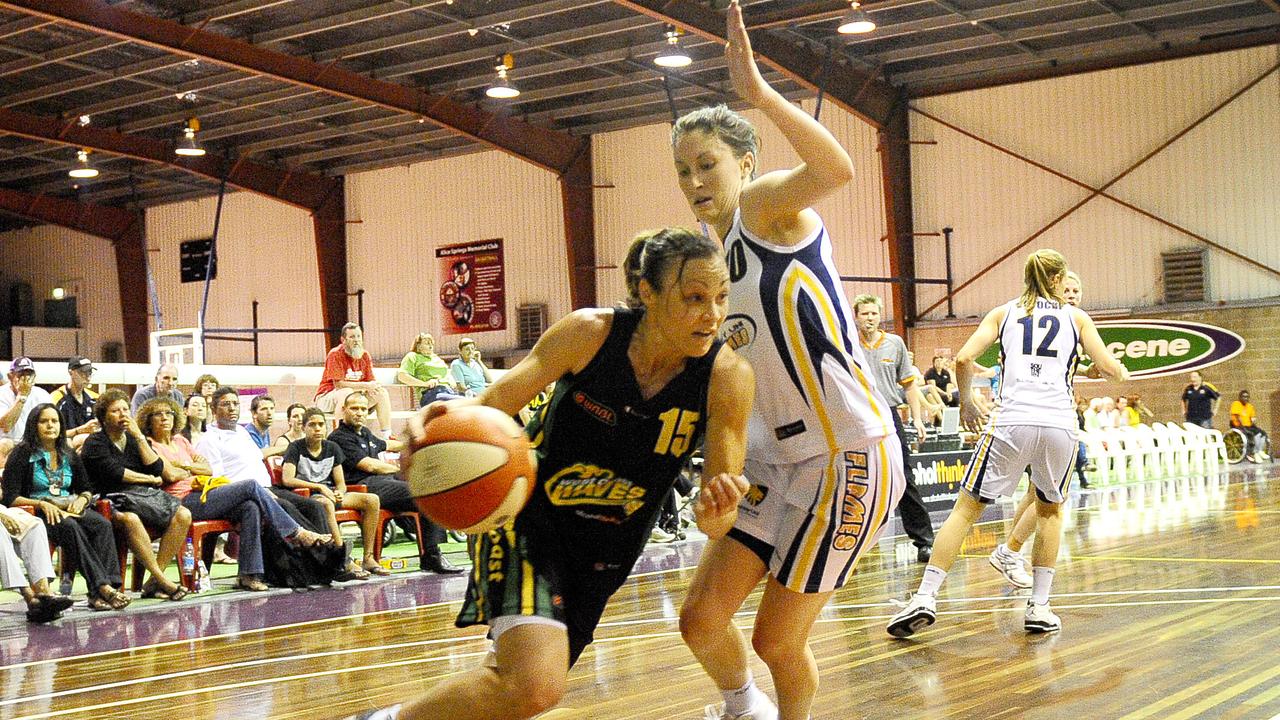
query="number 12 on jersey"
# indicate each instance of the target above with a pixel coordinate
(1046, 344)
(678, 426)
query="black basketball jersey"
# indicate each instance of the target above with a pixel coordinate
(607, 457)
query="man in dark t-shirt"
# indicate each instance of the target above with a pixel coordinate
(1200, 401)
(940, 377)
(360, 465)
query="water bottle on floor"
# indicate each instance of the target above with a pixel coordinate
(203, 582)
(188, 559)
(68, 579)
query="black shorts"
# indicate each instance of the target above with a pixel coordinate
(509, 577)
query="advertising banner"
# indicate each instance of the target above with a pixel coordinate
(937, 476)
(1154, 348)
(473, 290)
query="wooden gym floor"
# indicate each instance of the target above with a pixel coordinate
(1169, 593)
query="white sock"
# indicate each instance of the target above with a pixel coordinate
(932, 580)
(1003, 551)
(742, 700)
(1041, 581)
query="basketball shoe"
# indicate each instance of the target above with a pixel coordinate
(1009, 564)
(1040, 619)
(919, 613)
(766, 712)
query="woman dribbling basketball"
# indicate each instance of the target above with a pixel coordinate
(636, 390)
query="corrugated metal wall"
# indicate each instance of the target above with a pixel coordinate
(47, 257)
(638, 164)
(401, 215)
(266, 252)
(1219, 180)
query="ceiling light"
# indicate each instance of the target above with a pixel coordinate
(673, 56)
(187, 145)
(502, 89)
(856, 21)
(83, 168)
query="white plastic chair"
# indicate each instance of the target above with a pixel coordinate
(1099, 455)
(1175, 444)
(1163, 448)
(1125, 449)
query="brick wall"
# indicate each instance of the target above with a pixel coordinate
(1257, 369)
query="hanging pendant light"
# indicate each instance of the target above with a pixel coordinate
(83, 169)
(502, 89)
(187, 145)
(855, 21)
(673, 56)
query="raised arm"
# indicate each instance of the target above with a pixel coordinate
(729, 401)
(775, 204)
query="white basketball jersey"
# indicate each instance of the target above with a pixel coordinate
(1038, 359)
(788, 316)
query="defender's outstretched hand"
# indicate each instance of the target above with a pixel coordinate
(746, 78)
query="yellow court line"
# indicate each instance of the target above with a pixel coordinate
(647, 636)
(1130, 558)
(256, 662)
(244, 684)
(219, 636)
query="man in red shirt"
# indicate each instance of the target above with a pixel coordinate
(348, 368)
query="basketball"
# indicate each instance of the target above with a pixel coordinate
(472, 470)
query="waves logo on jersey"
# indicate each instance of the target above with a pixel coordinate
(853, 511)
(756, 495)
(595, 408)
(738, 331)
(584, 484)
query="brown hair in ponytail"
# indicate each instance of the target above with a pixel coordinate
(653, 251)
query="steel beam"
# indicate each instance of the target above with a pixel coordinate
(578, 189)
(299, 189)
(127, 232)
(548, 149)
(857, 92)
(1247, 31)
(330, 223)
(895, 178)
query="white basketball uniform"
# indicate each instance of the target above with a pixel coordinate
(822, 455)
(1034, 422)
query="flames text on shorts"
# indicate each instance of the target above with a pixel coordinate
(853, 511)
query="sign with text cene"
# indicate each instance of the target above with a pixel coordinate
(1155, 348)
(473, 291)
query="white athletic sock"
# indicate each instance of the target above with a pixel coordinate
(1041, 581)
(932, 580)
(742, 700)
(1002, 550)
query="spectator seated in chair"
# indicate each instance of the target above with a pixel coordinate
(315, 463)
(166, 385)
(45, 474)
(262, 410)
(360, 449)
(75, 402)
(246, 504)
(469, 370)
(21, 535)
(1244, 417)
(294, 417)
(427, 373)
(123, 467)
(17, 398)
(348, 368)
